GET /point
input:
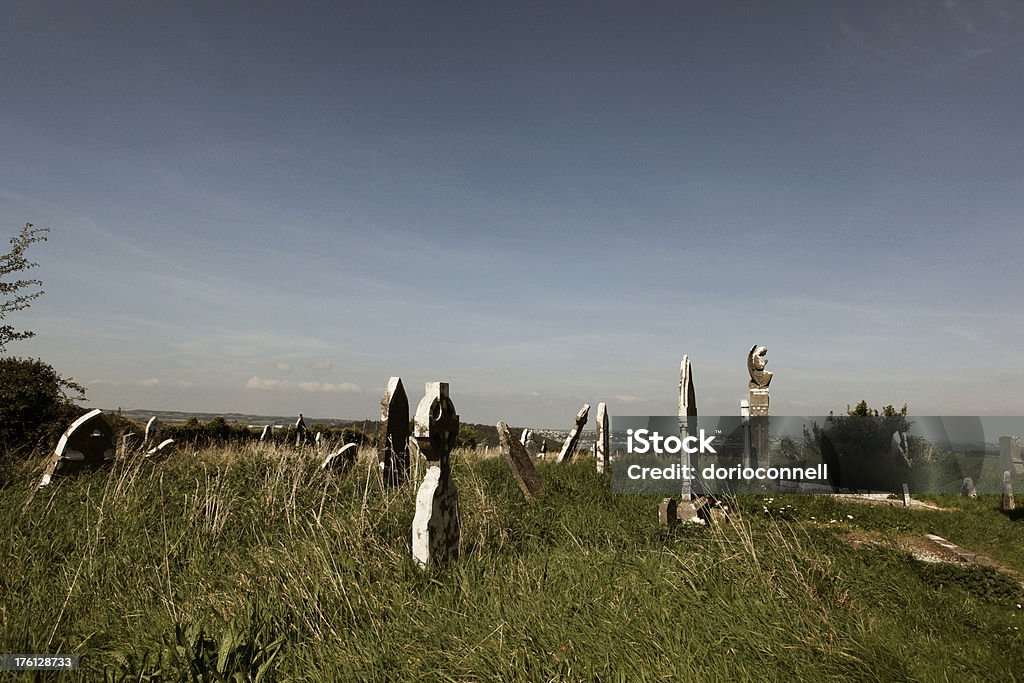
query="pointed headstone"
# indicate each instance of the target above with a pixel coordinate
(603, 439)
(87, 444)
(569, 447)
(435, 528)
(393, 452)
(687, 422)
(521, 464)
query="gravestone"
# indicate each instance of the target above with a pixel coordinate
(906, 496)
(687, 421)
(435, 528)
(569, 447)
(318, 441)
(529, 440)
(1007, 503)
(1009, 454)
(603, 445)
(968, 490)
(342, 459)
(162, 450)
(667, 513)
(268, 430)
(86, 445)
(152, 431)
(758, 404)
(521, 464)
(393, 452)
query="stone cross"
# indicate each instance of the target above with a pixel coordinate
(435, 527)
(603, 444)
(393, 452)
(521, 464)
(87, 444)
(569, 447)
(1007, 503)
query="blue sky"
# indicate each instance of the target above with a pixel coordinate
(270, 208)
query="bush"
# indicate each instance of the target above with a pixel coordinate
(36, 406)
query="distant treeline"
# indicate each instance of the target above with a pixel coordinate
(220, 432)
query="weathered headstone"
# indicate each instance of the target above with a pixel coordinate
(603, 444)
(687, 422)
(521, 464)
(435, 528)
(393, 452)
(300, 431)
(318, 441)
(87, 444)
(268, 430)
(528, 440)
(162, 450)
(667, 513)
(152, 434)
(342, 459)
(569, 447)
(758, 403)
(968, 490)
(1009, 454)
(1007, 503)
(906, 495)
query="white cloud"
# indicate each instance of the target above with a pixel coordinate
(340, 388)
(151, 382)
(260, 383)
(621, 398)
(283, 367)
(321, 365)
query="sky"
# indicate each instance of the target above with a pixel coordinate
(272, 208)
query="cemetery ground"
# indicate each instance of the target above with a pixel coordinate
(250, 560)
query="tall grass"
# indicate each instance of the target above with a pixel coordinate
(251, 561)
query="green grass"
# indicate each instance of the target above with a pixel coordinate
(250, 562)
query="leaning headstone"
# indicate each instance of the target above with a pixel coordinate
(342, 459)
(152, 431)
(435, 527)
(1007, 504)
(667, 513)
(267, 432)
(603, 444)
(521, 464)
(163, 449)
(87, 444)
(569, 447)
(1009, 453)
(393, 452)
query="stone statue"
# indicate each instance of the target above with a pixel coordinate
(759, 377)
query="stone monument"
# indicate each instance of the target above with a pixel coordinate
(603, 454)
(1007, 502)
(435, 527)
(341, 460)
(521, 464)
(569, 447)
(758, 403)
(687, 421)
(87, 444)
(152, 431)
(393, 452)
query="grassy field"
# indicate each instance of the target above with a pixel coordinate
(249, 564)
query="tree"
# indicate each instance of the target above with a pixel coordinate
(36, 403)
(12, 297)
